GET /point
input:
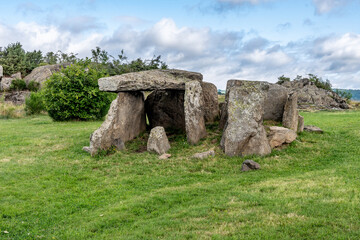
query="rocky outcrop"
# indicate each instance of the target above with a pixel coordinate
(244, 133)
(148, 81)
(211, 103)
(291, 113)
(279, 135)
(125, 121)
(194, 114)
(16, 97)
(275, 97)
(249, 165)
(310, 96)
(158, 141)
(166, 108)
(41, 74)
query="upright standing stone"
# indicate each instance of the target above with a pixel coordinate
(211, 102)
(244, 133)
(125, 121)
(300, 124)
(158, 141)
(166, 108)
(291, 113)
(194, 114)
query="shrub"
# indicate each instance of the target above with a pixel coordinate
(18, 85)
(73, 94)
(33, 86)
(282, 79)
(344, 94)
(34, 104)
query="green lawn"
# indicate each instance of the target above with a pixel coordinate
(51, 189)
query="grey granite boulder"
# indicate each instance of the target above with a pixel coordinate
(6, 83)
(300, 124)
(194, 114)
(244, 133)
(41, 74)
(291, 113)
(249, 165)
(16, 75)
(166, 108)
(1, 72)
(150, 80)
(311, 128)
(158, 141)
(211, 103)
(125, 121)
(280, 135)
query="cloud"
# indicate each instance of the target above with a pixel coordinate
(81, 24)
(326, 6)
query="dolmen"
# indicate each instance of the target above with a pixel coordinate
(179, 100)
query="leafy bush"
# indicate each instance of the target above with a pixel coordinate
(33, 86)
(34, 104)
(73, 94)
(282, 79)
(319, 82)
(18, 85)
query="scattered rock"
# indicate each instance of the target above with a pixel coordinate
(125, 121)
(249, 165)
(204, 154)
(291, 113)
(41, 74)
(244, 133)
(150, 80)
(211, 103)
(300, 124)
(6, 83)
(16, 75)
(158, 141)
(164, 156)
(166, 108)
(194, 114)
(311, 128)
(279, 136)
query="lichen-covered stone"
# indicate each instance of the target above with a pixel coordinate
(244, 133)
(300, 124)
(291, 113)
(211, 102)
(158, 141)
(166, 108)
(280, 135)
(194, 114)
(125, 121)
(150, 80)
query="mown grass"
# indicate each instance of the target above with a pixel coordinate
(51, 189)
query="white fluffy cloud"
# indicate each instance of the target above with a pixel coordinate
(326, 6)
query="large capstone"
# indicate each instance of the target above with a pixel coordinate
(275, 97)
(211, 103)
(291, 113)
(166, 108)
(150, 80)
(158, 141)
(125, 121)
(244, 133)
(41, 74)
(194, 114)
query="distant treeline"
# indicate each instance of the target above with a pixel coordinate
(355, 93)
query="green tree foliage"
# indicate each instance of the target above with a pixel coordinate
(282, 79)
(319, 82)
(34, 104)
(73, 94)
(344, 94)
(13, 59)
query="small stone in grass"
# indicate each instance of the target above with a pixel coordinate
(249, 165)
(164, 156)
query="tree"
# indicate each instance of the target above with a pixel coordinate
(282, 79)
(13, 59)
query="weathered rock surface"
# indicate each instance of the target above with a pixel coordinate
(125, 121)
(279, 136)
(311, 128)
(291, 113)
(171, 79)
(16, 75)
(310, 96)
(249, 165)
(158, 141)
(16, 97)
(41, 74)
(244, 133)
(6, 83)
(1, 71)
(274, 102)
(194, 114)
(166, 108)
(204, 154)
(300, 124)
(211, 103)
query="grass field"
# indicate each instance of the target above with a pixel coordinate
(51, 189)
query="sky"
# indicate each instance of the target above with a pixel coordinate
(222, 39)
